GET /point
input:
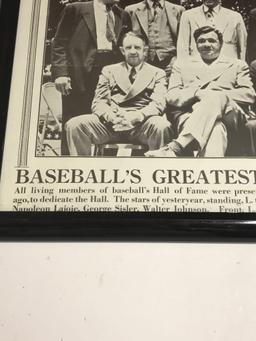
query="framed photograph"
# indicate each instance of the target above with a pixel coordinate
(128, 119)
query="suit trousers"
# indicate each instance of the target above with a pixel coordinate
(237, 134)
(205, 125)
(251, 133)
(85, 130)
(77, 103)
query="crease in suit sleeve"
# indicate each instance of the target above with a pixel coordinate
(177, 95)
(242, 37)
(183, 42)
(102, 98)
(243, 92)
(60, 42)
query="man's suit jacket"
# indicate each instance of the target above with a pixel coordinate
(146, 94)
(251, 42)
(229, 23)
(253, 73)
(139, 16)
(75, 44)
(228, 76)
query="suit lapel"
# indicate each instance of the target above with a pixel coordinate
(121, 77)
(142, 15)
(199, 16)
(89, 19)
(172, 19)
(213, 72)
(144, 77)
(222, 19)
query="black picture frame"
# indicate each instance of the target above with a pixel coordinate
(140, 227)
(9, 13)
(35, 226)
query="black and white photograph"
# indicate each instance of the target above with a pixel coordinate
(150, 78)
(132, 106)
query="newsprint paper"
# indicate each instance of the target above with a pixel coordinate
(116, 176)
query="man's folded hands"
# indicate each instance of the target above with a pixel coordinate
(123, 120)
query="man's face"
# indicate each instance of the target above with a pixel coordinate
(211, 3)
(133, 50)
(209, 46)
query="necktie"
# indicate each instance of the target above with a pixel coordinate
(156, 7)
(110, 27)
(156, 3)
(132, 75)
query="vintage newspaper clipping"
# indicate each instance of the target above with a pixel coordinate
(73, 147)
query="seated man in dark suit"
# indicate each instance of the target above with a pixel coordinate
(203, 92)
(129, 104)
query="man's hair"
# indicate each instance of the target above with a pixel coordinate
(208, 29)
(135, 35)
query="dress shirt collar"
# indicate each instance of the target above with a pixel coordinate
(215, 9)
(137, 68)
(151, 3)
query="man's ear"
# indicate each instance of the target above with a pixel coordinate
(122, 50)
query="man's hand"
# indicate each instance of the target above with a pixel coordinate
(121, 123)
(117, 117)
(111, 116)
(63, 85)
(123, 120)
(128, 119)
(134, 117)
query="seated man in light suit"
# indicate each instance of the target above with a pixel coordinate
(203, 92)
(128, 106)
(230, 23)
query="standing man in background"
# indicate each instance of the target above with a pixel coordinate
(230, 23)
(158, 21)
(87, 39)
